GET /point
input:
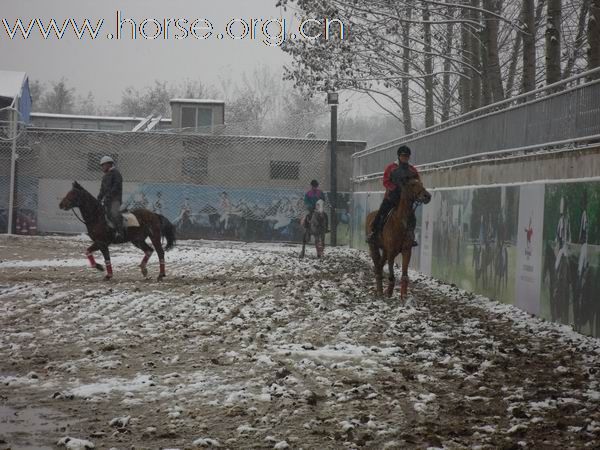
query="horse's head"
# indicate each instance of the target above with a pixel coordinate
(73, 199)
(320, 206)
(416, 190)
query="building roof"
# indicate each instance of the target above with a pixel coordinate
(197, 101)
(11, 83)
(86, 117)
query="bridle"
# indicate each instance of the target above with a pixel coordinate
(78, 218)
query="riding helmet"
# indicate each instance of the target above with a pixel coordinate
(404, 150)
(106, 159)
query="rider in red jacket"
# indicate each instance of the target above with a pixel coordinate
(392, 193)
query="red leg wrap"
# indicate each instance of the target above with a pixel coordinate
(91, 259)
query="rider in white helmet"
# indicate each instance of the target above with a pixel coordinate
(111, 194)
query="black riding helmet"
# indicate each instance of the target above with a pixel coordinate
(403, 150)
(314, 183)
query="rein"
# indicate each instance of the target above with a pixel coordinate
(78, 218)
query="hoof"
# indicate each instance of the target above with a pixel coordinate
(107, 278)
(144, 271)
(160, 277)
(99, 267)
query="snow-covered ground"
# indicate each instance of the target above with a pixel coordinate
(245, 346)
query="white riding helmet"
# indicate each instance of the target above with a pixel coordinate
(106, 159)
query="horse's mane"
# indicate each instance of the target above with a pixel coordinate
(86, 194)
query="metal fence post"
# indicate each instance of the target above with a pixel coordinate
(332, 99)
(13, 162)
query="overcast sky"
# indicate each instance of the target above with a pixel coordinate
(105, 67)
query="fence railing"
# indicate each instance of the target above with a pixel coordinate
(567, 111)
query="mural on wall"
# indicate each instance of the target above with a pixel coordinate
(214, 212)
(536, 246)
(474, 239)
(26, 205)
(571, 255)
(529, 248)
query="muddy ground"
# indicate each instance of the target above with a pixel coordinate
(245, 346)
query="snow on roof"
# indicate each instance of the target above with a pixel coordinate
(84, 117)
(11, 83)
(196, 101)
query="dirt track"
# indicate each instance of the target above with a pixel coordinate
(245, 346)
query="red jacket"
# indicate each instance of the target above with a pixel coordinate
(387, 176)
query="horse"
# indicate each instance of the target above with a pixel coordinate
(150, 224)
(560, 279)
(500, 266)
(395, 237)
(317, 228)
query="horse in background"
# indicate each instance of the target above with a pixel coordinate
(145, 224)
(396, 237)
(317, 228)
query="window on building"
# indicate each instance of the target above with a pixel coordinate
(285, 170)
(204, 117)
(194, 117)
(188, 117)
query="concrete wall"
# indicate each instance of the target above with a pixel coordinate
(558, 165)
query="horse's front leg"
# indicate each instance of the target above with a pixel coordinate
(378, 262)
(391, 278)
(90, 256)
(319, 244)
(406, 254)
(106, 254)
(303, 244)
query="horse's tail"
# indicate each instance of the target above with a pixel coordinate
(167, 229)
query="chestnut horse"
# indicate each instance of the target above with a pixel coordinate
(151, 225)
(395, 237)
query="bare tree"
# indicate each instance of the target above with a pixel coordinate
(446, 86)
(594, 36)
(153, 99)
(529, 57)
(494, 77)
(59, 99)
(467, 71)
(475, 48)
(553, 38)
(429, 114)
(404, 82)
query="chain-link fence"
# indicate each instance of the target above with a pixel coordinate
(215, 186)
(560, 115)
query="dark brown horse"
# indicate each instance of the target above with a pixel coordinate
(150, 224)
(395, 237)
(317, 228)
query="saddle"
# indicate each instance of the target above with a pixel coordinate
(129, 220)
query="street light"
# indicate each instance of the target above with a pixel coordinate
(333, 100)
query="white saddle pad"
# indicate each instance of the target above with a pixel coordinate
(129, 220)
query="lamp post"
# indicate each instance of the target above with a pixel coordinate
(333, 100)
